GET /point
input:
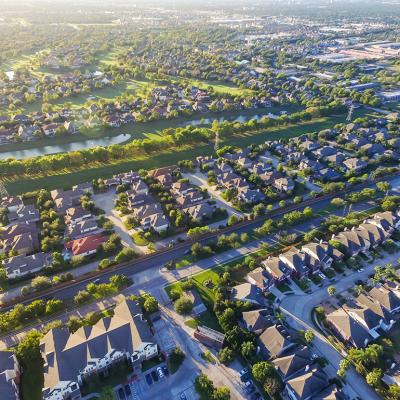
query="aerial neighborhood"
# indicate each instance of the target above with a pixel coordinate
(200, 201)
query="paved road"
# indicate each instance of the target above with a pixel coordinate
(158, 259)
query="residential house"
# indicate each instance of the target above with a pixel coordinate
(274, 342)
(158, 222)
(372, 315)
(9, 376)
(322, 252)
(11, 203)
(289, 365)
(22, 265)
(86, 246)
(277, 269)
(348, 328)
(81, 229)
(354, 164)
(372, 233)
(306, 384)
(22, 244)
(24, 214)
(283, 185)
(250, 196)
(18, 229)
(296, 262)
(72, 359)
(73, 215)
(259, 277)
(256, 321)
(200, 211)
(140, 187)
(351, 242)
(389, 299)
(189, 199)
(198, 305)
(139, 200)
(248, 293)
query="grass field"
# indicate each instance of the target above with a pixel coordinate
(69, 178)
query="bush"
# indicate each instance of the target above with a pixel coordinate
(176, 359)
(226, 355)
(183, 305)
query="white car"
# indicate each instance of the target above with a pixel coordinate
(160, 373)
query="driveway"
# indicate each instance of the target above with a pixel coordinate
(199, 179)
(105, 201)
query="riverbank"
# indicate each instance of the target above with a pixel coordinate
(168, 157)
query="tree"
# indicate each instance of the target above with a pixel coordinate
(262, 370)
(374, 377)
(248, 349)
(150, 304)
(119, 281)
(176, 359)
(331, 290)
(53, 306)
(204, 386)
(383, 186)
(41, 282)
(183, 305)
(221, 393)
(393, 392)
(82, 297)
(74, 323)
(344, 365)
(309, 336)
(226, 355)
(28, 347)
(338, 202)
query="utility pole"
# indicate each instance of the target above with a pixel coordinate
(3, 190)
(216, 144)
(350, 113)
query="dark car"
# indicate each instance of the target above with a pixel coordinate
(359, 282)
(149, 380)
(128, 391)
(165, 370)
(154, 376)
(121, 394)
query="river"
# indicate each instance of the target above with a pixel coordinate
(129, 132)
(62, 148)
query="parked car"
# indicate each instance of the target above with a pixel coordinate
(165, 370)
(121, 394)
(148, 379)
(249, 387)
(154, 376)
(183, 396)
(160, 373)
(244, 375)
